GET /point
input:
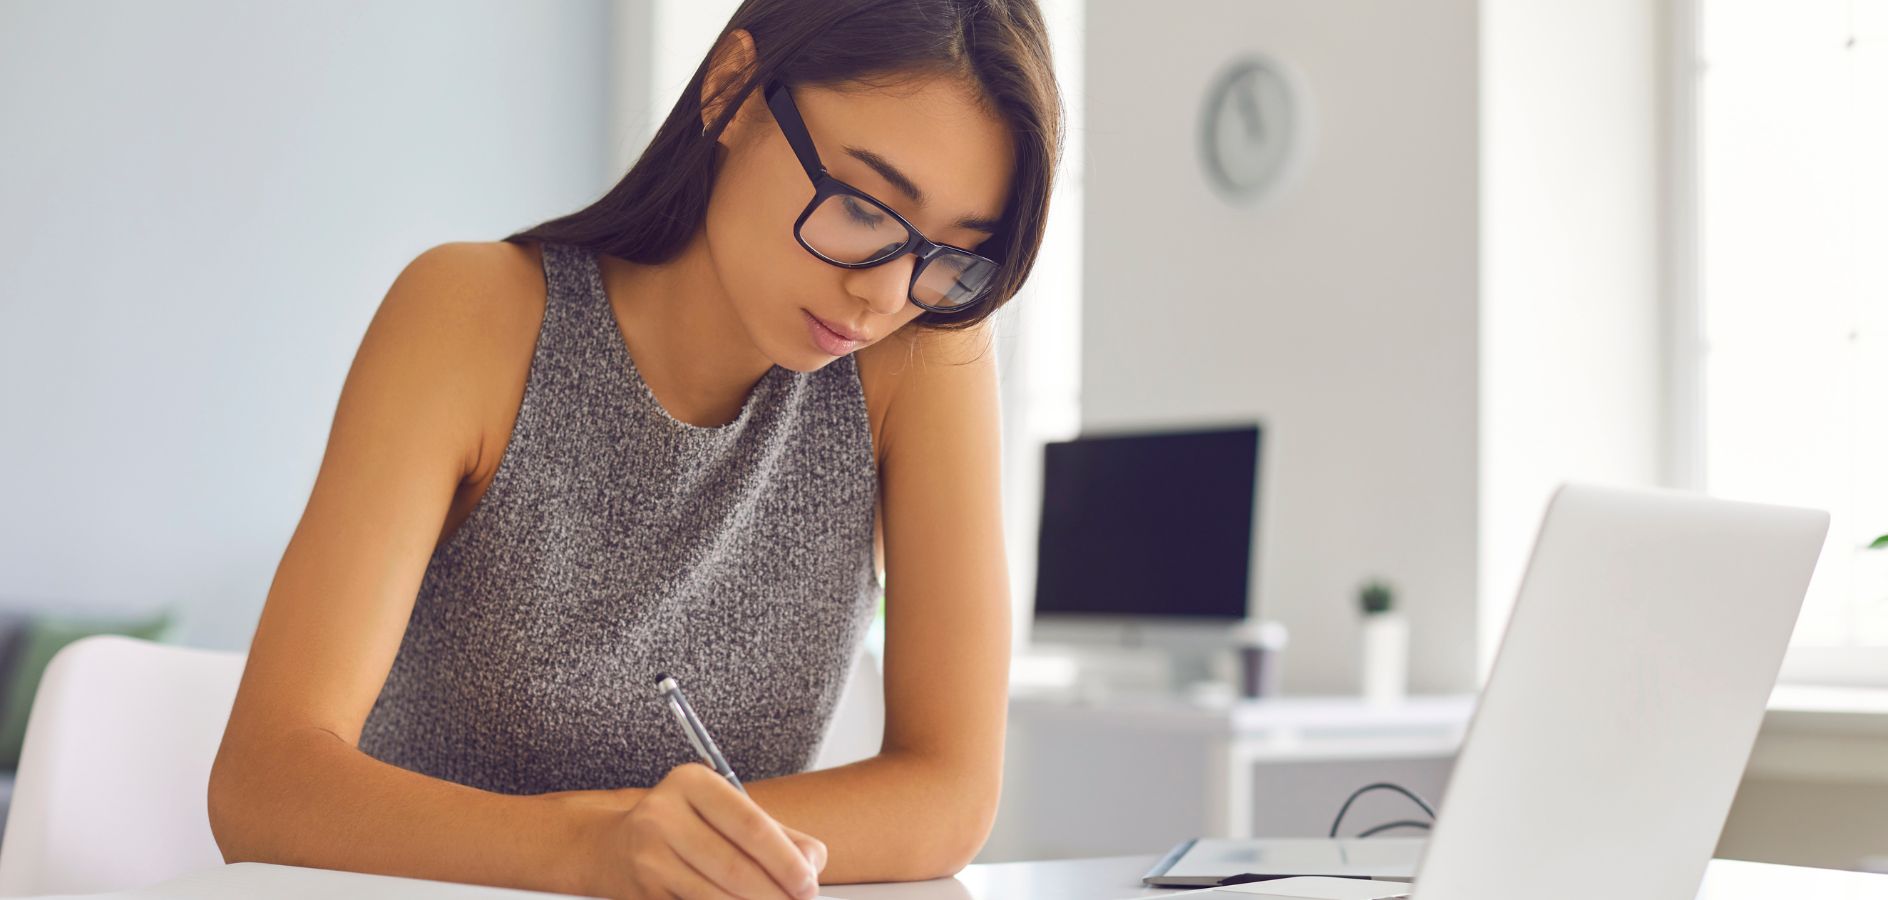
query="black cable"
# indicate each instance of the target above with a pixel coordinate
(1379, 786)
(1400, 823)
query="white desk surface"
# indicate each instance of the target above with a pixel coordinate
(1102, 878)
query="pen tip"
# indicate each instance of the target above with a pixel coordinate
(661, 677)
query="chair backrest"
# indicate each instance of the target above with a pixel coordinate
(113, 784)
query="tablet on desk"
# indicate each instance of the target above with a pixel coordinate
(1207, 862)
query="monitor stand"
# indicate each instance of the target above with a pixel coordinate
(1126, 658)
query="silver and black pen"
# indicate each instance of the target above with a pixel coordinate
(692, 727)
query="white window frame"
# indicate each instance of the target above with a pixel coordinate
(1684, 438)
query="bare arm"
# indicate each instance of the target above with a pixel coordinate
(923, 806)
(290, 784)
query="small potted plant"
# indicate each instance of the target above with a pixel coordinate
(1385, 643)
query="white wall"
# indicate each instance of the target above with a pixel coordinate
(1452, 306)
(1040, 330)
(1571, 325)
(1342, 311)
(201, 205)
(653, 52)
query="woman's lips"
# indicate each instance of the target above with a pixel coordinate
(828, 340)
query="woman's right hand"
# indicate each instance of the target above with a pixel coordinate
(694, 835)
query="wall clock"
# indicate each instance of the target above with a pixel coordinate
(1249, 128)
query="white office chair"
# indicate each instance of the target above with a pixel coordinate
(113, 783)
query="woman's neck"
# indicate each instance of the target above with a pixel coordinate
(689, 344)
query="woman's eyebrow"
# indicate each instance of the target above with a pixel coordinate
(889, 172)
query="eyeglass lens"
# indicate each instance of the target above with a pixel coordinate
(848, 229)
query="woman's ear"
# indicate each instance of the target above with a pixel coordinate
(728, 68)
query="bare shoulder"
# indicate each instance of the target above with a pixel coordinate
(478, 285)
(914, 367)
(478, 306)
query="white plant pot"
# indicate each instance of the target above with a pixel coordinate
(1385, 657)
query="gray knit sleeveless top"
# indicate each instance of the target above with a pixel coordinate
(615, 542)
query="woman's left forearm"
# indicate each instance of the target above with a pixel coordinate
(892, 817)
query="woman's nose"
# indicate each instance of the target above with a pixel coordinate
(885, 287)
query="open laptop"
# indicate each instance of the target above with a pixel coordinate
(1622, 706)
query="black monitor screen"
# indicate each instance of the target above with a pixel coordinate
(1148, 524)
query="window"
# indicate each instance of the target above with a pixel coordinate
(1788, 347)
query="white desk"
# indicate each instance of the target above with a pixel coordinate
(1106, 878)
(1112, 877)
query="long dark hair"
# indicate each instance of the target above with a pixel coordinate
(1000, 45)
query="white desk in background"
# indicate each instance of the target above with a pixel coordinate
(1267, 767)
(1078, 879)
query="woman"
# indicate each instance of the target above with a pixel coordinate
(681, 430)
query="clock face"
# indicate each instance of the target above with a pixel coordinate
(1247, 128)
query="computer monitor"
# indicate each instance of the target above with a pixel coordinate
(1152, 528)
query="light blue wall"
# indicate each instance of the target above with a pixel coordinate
(201, 205)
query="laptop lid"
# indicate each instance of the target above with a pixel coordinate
(1624, 699)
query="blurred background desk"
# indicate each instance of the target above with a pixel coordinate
(1098, 776)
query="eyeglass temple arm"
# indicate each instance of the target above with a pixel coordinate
(791, 125)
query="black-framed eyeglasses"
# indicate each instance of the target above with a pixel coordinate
(850, 228)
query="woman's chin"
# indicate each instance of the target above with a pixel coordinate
(807, 362)
(802, 359)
